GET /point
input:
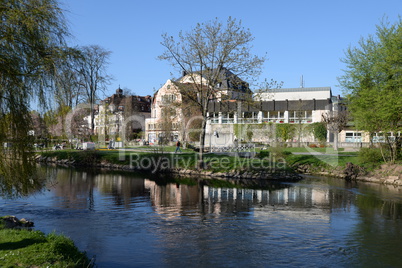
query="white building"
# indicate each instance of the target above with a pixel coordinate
(170, 118)
(121, 114)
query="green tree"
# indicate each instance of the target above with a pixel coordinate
(373, 81)
(32, 36)
(204, 53)
(319, 131)
(285, 131)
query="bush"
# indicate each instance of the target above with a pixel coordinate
(319, 131)
(263, 154)
(370, 156)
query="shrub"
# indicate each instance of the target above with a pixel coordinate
(263, 154)
(370, 156)
(319, 131)
(285, 131)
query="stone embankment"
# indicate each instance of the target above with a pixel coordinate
(13, 222)
(386, 174)
(279, 175)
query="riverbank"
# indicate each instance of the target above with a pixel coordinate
(281, 164)
(183, 164)
(346, 165)
(20, 246)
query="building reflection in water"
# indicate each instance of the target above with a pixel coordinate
(79, 189)
(178, 200)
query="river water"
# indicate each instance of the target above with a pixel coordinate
(128, 220)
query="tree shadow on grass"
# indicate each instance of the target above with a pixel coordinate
(20, 244)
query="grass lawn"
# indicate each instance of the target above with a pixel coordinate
(187, 159)
(24, 248)
(324, 160)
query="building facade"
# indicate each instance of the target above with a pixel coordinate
(121, 116)
(172, 116)
(255, 121)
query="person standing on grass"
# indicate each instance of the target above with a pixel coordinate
(178, 144)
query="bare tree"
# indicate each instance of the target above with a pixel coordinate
(204, 53)
(92, 74)
(69, 92)
(335, 121)
(166, 125)
(79, 126)
(38, 125)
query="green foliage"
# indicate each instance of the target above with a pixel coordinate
(237, 128)
(263, 154)
(249, 135)
(32, 40)
(279, 152)
(373, 80)
(328, 161)
(319, 131)
(370, 157)
(285, 131)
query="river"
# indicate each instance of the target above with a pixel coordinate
(133, 220)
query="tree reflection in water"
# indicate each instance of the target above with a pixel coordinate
(320, 221)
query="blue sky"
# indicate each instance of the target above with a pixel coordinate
(301, 38)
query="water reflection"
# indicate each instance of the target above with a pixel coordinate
(127, 220)
(76, 190)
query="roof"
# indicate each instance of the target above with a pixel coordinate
(303, 93)
(227, 80)
(301, 89)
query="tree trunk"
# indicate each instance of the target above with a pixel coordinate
(335, 140)
(92, 120)
(392, 152)
(299, 134)
(202, 144)
(371, 144)
(398, 147)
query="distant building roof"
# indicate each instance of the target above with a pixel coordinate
(301, 89)
(141, 103)
(302, 93)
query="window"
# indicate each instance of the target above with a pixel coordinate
(300, 116)
(168, 98)
(353, 137)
